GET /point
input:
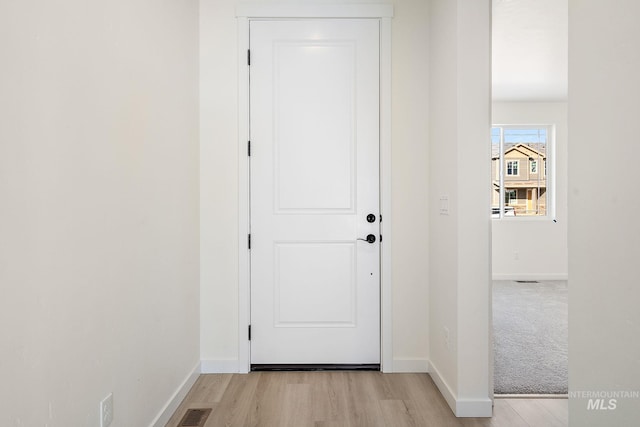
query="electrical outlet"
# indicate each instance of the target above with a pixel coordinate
(516, 255)
(106, 411)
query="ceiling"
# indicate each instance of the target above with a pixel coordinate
(530, 39)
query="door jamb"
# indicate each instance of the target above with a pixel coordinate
(384, 13)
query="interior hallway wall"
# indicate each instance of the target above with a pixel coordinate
(99, 217)
(540, 244)
(460, 272)
(604, 231)
(219, 185)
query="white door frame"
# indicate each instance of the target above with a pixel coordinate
(244, 14)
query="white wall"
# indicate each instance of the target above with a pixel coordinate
(541, 244)
(604, 319)
(459, 251)
(219, 185)
(99, 216)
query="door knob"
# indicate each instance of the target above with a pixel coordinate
(370, 238)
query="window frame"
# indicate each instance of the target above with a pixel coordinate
(517, 167)
(548, 173)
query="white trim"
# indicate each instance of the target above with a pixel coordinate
(442, 385)
(178, 396)
(536, 276)
(461, 408)
(474, 408)
(548, 164)
(384, 12)
(226, 366)
(293, 10)
(517, 162)
(416, 365)
(244, 267)
(386, 290)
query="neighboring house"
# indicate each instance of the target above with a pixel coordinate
(525, 186)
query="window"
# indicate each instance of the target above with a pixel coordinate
(515, 190)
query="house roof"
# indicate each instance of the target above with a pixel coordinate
(532, 149)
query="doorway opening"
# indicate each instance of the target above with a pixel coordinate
(529, 203)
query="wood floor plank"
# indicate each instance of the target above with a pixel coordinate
(236, 403)
(296, 409)
(349, 399)
(401, 413)
(535, 413)
(209, 388)
(503, 416)
(362, 403)
(205, 393)
(266, 406)
(434, 410)
(330, 402)
(559, 408)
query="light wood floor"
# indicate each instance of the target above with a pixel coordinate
(366, 399)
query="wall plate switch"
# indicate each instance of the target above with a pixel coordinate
(106, 411)
(444, 205)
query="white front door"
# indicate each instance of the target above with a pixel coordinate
(314, 125)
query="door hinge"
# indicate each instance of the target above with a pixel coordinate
(249, 148)
(249, 240)
(249, 332)
(248, 57)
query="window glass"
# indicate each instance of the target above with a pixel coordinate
(521, 189)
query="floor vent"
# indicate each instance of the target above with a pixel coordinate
(526, 281)
(195, 418)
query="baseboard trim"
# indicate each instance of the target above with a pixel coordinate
(442, 385)
(462, 408)
(220, 366)
(552, 276)
(411, 365)
(475, 408)
(178, 396)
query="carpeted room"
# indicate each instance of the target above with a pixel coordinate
(530, 321)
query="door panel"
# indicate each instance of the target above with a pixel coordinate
(309, 295)
(314, 104)
(299, 66)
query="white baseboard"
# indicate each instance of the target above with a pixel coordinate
(548, 276)
(462, 408)
(410, 365)
(219, 366)
(171, 406)
(444, 388)
(476, 408)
